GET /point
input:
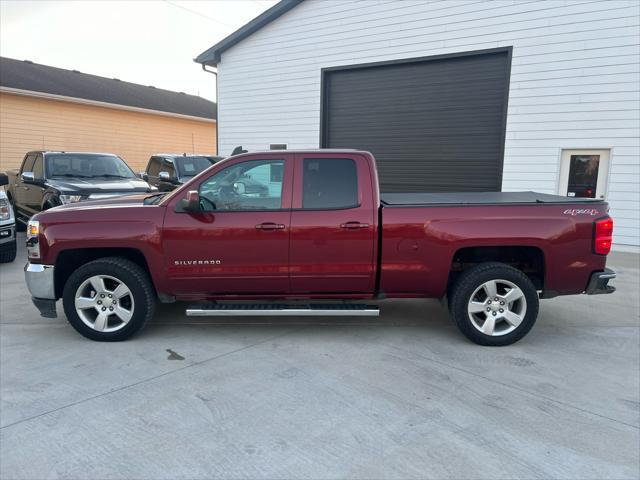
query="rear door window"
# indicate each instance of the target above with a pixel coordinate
(329, 183)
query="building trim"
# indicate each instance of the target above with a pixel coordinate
(95, 103)
(324, 94)
(212, 55)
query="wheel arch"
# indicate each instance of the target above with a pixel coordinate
(528, 259)
(67, 261)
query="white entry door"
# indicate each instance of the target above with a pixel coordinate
(584, 173)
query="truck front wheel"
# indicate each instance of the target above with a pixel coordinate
(108, 299)
(494, 304)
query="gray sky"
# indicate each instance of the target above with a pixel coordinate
(151, 42)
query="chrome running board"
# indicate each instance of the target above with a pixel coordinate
(273, 310)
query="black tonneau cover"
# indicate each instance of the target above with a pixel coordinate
(476, 198)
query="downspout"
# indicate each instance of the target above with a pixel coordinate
(214, 72)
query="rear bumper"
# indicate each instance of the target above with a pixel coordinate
(598, 283)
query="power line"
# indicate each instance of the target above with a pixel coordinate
(199, 14)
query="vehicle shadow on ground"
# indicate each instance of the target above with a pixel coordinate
(417, 313)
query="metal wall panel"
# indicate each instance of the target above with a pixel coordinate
(434, 124)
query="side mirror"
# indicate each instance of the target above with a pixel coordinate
(164, 176)
(143, 176)
(192, 201)
(240, 188)
(4, 180)
(28, 177)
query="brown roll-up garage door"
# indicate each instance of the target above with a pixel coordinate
(434, 124)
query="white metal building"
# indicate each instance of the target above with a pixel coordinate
(449, 95)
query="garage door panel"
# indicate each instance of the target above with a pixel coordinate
(433, 125)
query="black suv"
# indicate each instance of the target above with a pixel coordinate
(166, 171)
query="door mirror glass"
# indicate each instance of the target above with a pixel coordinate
(4, 180)
(143, 176)
(28, 177)
(164, 176)
(192, 201)
(240, 188)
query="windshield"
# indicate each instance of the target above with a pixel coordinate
(190, 166)
(86, 165)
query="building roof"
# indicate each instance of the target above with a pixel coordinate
(24, 75)
(212, 55)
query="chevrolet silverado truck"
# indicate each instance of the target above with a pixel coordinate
(318, 240)
(48, 179)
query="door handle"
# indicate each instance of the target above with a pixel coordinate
(354, 225)
(270, 226)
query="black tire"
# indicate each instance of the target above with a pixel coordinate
(470, 280)
(8, 253)
(133, 276)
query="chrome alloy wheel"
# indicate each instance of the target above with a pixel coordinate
(104, 303)
(497, 307)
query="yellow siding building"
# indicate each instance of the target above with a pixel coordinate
(146, 120)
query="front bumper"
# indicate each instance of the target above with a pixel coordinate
(40, 282)
(7, 233)
(598, 283)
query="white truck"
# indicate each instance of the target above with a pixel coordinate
(7, 225)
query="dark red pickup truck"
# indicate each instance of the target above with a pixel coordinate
(316, 238)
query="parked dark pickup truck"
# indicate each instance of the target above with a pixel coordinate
(48, 179)
(319, 242)
(167, 171)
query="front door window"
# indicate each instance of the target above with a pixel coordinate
(252, 185)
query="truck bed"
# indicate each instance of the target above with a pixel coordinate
(477, 198)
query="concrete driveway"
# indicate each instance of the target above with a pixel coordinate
(403, 396)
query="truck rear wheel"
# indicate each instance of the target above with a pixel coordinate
(108, 299)
(494, 304)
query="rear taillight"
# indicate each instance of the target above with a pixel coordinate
(602, 236)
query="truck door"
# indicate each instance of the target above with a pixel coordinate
(239, 242)
(23, 189)
(332, 225)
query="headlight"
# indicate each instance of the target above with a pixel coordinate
(33, 240)
(5, 210)
(70, 198)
